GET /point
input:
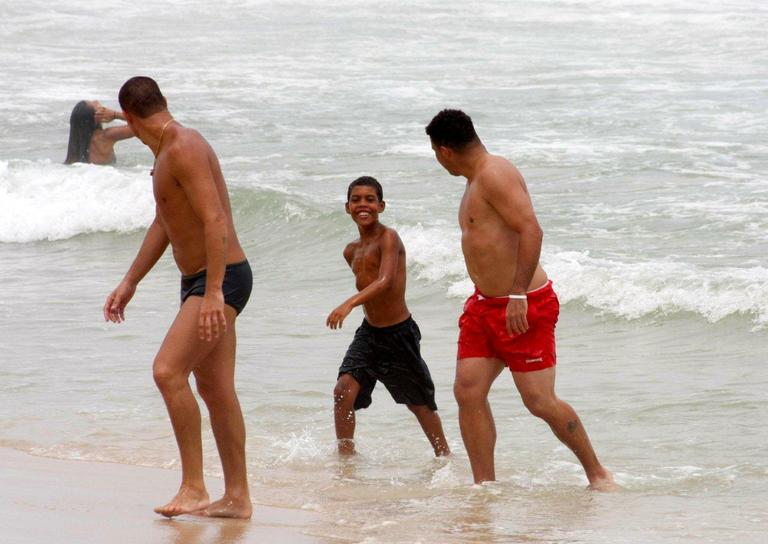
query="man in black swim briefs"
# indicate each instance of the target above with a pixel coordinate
(386, 346)
(236, 287)
(193, 215)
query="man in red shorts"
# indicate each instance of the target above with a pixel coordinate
(510, 319)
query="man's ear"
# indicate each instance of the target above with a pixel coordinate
(382, 205)
(346, 207)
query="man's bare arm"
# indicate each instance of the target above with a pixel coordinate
(390, 255)
(191, 167)
(152, 248)
(505, 191)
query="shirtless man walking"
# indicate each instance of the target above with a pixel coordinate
(193, 215)
(510, 319)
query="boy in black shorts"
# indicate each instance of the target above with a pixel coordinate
(386, 345)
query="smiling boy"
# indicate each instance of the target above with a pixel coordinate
(386, 345)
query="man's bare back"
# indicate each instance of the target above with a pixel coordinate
(488, 241)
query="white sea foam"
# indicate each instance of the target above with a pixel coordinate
(636, 289)
(417, 150)
(47, 201)
(299, 448)
(445, 477)
(434, 252)
(627, 288)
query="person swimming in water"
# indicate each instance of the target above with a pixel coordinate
(88, 141)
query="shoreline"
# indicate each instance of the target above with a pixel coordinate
(54, 500)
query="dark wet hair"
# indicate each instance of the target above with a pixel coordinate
(452, 128)
(366, 181)
(82, 123)
(141, 96)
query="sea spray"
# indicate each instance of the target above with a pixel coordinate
(40, 200)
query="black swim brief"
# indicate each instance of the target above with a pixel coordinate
(391, 355)
(237, 285)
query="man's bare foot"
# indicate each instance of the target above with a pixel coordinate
(603, 482)
(187, 500)
(227, 507)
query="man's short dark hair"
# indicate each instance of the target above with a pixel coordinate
(366, 181)
(141, 96)
(452, 128)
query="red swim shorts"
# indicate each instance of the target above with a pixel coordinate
(483, 330)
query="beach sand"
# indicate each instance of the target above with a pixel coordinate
(50, 500)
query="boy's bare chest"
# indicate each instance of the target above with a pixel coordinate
(366, 260)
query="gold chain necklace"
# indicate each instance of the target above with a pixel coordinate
(159, 143)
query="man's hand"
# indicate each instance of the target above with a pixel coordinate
(213, 322)
(114, 307)
(517, 322)
(336, 317)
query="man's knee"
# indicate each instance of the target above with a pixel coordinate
(474, 378)
(539, 404)
(166, 377)
(213, 393)
(469, 392)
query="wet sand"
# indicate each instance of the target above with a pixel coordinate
(50, 500)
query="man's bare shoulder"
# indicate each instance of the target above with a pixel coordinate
(188, 142)
(498, 169)
(498, 174)
(188, 155)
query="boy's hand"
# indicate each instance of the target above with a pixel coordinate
(336, 317)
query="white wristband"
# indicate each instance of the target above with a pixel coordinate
(518, 297)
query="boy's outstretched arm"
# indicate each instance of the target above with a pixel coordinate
(390, 253)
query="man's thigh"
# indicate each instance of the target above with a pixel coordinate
(182, 349)
(477, 373)
(539, 383)
(217, 368)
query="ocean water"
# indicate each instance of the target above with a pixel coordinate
(640, 129)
